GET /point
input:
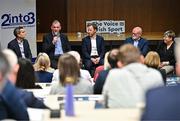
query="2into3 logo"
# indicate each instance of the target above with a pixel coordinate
(10, 20)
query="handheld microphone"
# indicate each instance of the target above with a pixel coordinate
(56, 34)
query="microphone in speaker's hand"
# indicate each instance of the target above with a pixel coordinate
(56, 34)
(55, 37)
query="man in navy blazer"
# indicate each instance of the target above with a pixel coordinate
(20, 45)
(138, 41)
(163, 103)
(55, 43)
(92, 49)
(11, 104)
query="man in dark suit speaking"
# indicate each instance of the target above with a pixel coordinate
(20, 45)
(138, 41)
(92, 49)
(55, 43)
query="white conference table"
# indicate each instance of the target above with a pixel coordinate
(85, 112)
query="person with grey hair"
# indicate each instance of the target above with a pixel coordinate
(166, 51)
(11, 104)
(28, 97)
(20, 45)
(137, 40)
(163, 103)
(126, 85)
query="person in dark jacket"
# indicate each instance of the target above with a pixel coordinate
(99, 83)
(20, 45)
(11, 104)
(55, 43)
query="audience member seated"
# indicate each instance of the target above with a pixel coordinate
(26, 76)
(11, 104)
(163, 103)
(125, 87)
(138, 41)
(106, 66)
(55, 43)
(83, 73)
(166, 51)
(28, 97)
(92, 49)
(69, 67)
(99, 82)
(42, 68)
(152, 60)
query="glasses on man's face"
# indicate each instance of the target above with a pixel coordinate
(135, 34)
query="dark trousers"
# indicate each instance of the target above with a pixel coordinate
(54, 61)
(91, 67)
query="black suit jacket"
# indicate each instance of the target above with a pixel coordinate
(86, 47)
(13, 45)
(49, 48)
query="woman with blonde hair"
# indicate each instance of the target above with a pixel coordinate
(69, 67)
(152, 60)
(43, 63)
(42, 68)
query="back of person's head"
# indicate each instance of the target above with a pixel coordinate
(68, 67)
(17, 30)
(128, 54)
(170, 34)
(112, 58)
(42, 62)
(14, 66)
(76, 55)
(26, 76)
(11, 57)
(4, 66)
(152, 59)
(106, 63)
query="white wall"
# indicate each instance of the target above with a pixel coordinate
(14, 13)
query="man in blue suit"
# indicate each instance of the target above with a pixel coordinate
(55, 43)
(92, 49)
(11, 104)
(163, 103)
(20, 45)
(138, 41)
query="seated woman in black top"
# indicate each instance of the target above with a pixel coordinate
(166, 51)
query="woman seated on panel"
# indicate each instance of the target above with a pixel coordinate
(69, 67)
(26, 77)
(166, 52)
(42, 68)
(152, 60)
